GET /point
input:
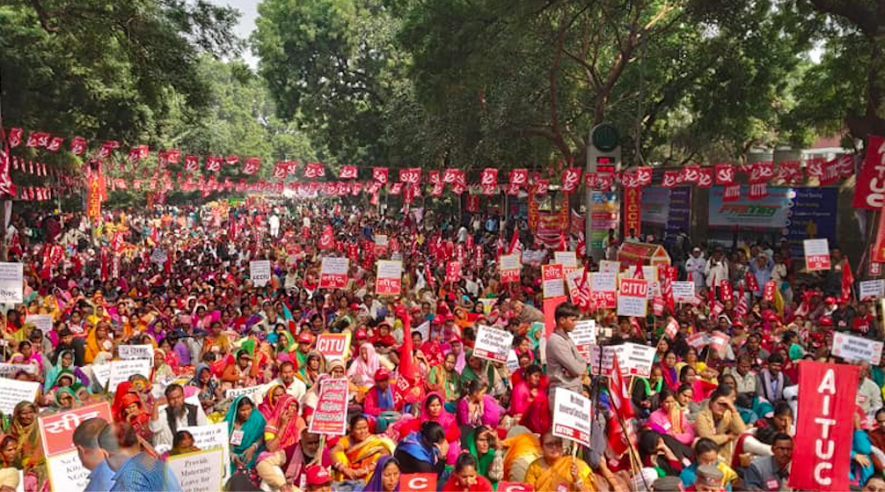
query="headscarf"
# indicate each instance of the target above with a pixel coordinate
(29, 446)
(118, 407)
(252, 429)
(53, 372)
(288, 432)
(484, 461)
(66, 391)
(361, 372)
(268, 404)
(374, 484)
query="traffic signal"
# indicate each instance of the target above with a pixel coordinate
(604, 150)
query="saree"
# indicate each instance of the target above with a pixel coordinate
(288, 432)
(550, 477)
(29, 447)
(251, 429)
(364, 454)
(484, 462)
(269, 403)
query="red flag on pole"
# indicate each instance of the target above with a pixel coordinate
(847, 281)
(619, 391)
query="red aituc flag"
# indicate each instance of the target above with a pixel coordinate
(619, 391)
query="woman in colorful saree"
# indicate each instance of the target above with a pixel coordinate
(271, 399)
(312, 369)
(29, 447)
(444, 379)
(433, 410)
(65, 362)
(355, 455)
(245, 426)
(555, 471)
(282, 432)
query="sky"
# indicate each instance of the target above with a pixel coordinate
(248, 12)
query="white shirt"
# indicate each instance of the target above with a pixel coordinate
(297, 389)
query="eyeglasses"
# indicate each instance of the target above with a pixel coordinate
(553, 445)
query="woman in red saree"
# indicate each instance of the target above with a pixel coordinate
(529, 404)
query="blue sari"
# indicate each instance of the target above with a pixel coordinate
(253, 429)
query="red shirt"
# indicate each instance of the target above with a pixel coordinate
(482, 485)
(862, 324)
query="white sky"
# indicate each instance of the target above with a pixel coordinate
(248, 12)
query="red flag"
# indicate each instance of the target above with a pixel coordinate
(515, 244)
(867, 193)
(639, 274)
(619, 391)
(824, 427)
(752, 284)
(618, 439)
(847, 281)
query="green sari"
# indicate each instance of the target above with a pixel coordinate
(253, 429)
(484, 462)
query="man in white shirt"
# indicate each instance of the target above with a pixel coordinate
(294, 386)
(177, 415)
(716, 269)
(274, 223)
(696, 265)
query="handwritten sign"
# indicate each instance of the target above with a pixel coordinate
(333, 272)
(607, 266)
(509, 267)
(330, 417)
(259, 272)
(43, 322)
(388, 281)
(333, 346)
(553, 281)
(872, 289)
(852, 348)
(200, 471)
(633, 298)
(13, 391)
(584, 336)
(131, 352)
(638, 359)
(817, 254)
(11, 283)
(57, 429)
(603, 289)
(572, 416)
(493, 344)
(683, 291)
(121, 370)
(10, 370)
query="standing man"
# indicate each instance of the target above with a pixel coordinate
(90, 454)
(135, 470)
(696, 265)
(177, 415)
(565, 366)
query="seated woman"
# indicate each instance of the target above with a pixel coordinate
(556, 471)
(364, 367)
(423, 451)
(706, 452)
(482, 444)
(720, 420)
(645, 395)
(282, 432)
(526, 391)
(183, 443)
(671, 422)
(654, 453)
(701, 388)
(245, 426)
(312, 369)
(757, 441)
(444, 379)
(355, 455)
(270, 401)
(477, 408)
(432, 410)
(386, 476)
(466, 478)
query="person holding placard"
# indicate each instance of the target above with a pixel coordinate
(556, 471)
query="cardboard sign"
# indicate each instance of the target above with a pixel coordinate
(13, 391)
(553, 281)
(388, 280)
(698, 340)
(259, 272)
(159, 256)
(57, 430)
(453, 272)
(66, 472)
(417, 482)
(131, 352)
(637, 359)
(11, 283)
(333, 272)
(200, 471)
(683, 291)
(719, 343)
(572, 416)
(121, 370)
(817, 254)
(213, 436)
(603, 289)
(584, 336)
(869, 289)
(633, 298)
(566, 258)
(10, 370)
(768, 293)
(333, 346)
(607, 266)
(509, 267)
(330, 417)
(43, 322)
(493, 344)
(852, 348)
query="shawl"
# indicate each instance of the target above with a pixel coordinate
(484, 461)
(361, 372)
(288, 432)
(29, 446)
(252, 429)
(414, 447)
(268, 404)
(54, 371)
(374, 485)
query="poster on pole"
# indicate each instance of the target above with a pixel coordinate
(121, 370)
(493, 344)
(852, 348)
(333, 272)
(572, 416)
(633, 298)
(584, 336)
(603, 289)
(11, 283)
(330, 416)
(388, 280)
(259, 272)
(509, 267)
(602, 359)
(200, 471)
(817, 254)
(683, 291)
(13, 391)
(553, 281)
(333, 346)
(869, 289)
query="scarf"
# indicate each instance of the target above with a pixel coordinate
(374, 485)
(413, 445)
(252, 429)
(484, 461)
(385, 398)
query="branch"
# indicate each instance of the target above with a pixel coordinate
(44, 17)
(863, 18)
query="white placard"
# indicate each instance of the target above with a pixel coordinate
(259, 272)
(603, 282)
(509, 262)
(607, 266)
(42, 321)
(493, 344)
(251, 392)
(552, 281)
(381, 240)
(121, 370)
(13, 392)
(11, 283)
(872, 289)
(566, 258)
(333, 272)
(200, 471)
(534, 257)
(159, 256)
(10, 370)
(638, 359)
(130, 352)
(817, 254)
(213, 436)
(66, 472)
(101, 373)
(572, 416)
(683, 291)
(572, 279)
(390, 269)
(584, 336)
(852, 348)
(633, 298)
(602, 359)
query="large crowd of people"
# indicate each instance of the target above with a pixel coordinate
(420, 400)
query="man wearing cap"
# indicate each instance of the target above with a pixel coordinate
(666, 484)
(319, 479)
(379, 398)
(770, 383)
(709, 479)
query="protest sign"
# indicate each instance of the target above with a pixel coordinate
(698, 340)
(824, 427)
(57, 429)
(418, 482)
(633, 298)
(572, 416)
(333, 272)
(381, 243)
(13, 391)
(719, 342)
(672, 328)
(553, 281)
(584, 336)
(607, 266)
(683, 291)
(602, 359)
(637, 359)
(330, 417)
(130, 352)
(11, 283)
(572, 279)
(259, 272)
(493, 344)
(453, 272)
(768, 292)
(10, 370)
(121, 370)
(388, 280)
(200, 471)
(514, 487)
(159, 256)
(66, 472)
(212, 436)
(333, 346)
(817, 254)
(509, 268)
(568, 260)
(869, 289)
(603, 289)
(726, 292)
(43, 322)
(254, 393)
(852, 348)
